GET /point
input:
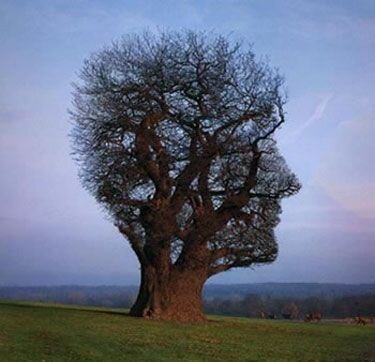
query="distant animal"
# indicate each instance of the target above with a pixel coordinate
(271, 316)
(359, 320)
(314, 316)
(287, 315)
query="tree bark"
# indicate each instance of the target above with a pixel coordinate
(177, 296)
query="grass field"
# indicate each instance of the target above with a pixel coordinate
(42, 332)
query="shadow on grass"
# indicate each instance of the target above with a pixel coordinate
(93, 309)
(211, 320)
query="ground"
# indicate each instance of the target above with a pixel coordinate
(44, 332)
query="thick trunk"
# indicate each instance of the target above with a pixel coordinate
(176, 296)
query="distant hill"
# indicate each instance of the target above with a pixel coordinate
(115, 296)
(107, 296)
(288, 290)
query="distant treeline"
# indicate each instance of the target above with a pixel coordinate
(288, 290)
(249, 300)
(292, 308)
(101, 296)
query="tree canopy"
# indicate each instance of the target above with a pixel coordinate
(174, 136)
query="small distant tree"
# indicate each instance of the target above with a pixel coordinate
(253, 305)
(174, 135)
(291, 310)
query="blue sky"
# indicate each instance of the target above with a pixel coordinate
(52, 231)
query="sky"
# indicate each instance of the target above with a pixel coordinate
(52, 232)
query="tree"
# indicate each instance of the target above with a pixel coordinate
(290, 311)
(174, 136)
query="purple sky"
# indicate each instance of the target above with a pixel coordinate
(52, 231)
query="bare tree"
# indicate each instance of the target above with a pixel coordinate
(174, 135)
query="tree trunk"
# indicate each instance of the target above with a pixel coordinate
(176, 296)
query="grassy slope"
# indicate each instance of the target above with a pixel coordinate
(57, 333)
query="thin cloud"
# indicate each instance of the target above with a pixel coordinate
(316, 116)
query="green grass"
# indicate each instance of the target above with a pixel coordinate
(42, 332)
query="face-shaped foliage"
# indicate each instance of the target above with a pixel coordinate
(181, 127)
